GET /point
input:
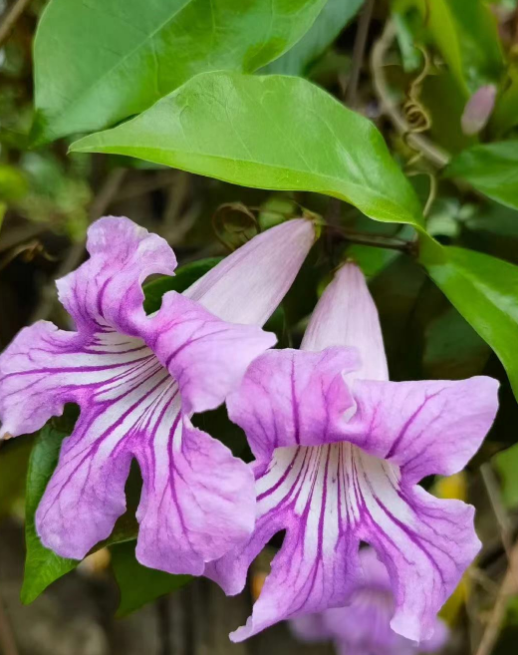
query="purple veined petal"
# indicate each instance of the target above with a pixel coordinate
(85, 495)
(478, 109)
(426, 427)
(206, 355)
(291, 398)
(303, 491)
(248, 285)
(107, 289)
(44, 368)
(347, 316)
(198, 500)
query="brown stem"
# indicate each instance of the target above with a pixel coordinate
(507, 590)
(10, 18)
(359, 53)
(375, 240)
(432, 152)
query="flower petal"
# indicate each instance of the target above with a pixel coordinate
(290, 398)
(107, 289)
(347, 316)
(303, 492)
(85, 495)
(248, 285)
(198, 500)
(428, 427)
(44, 368)
(425, 543)
(207, 356)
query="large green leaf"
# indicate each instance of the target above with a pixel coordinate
(330, 22)
(100, 61)
(273, 132)
(485, 291)
(139, 585)
(491, 168)
(465, 31)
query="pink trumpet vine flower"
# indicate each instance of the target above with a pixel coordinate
(137, 380)
(362, 627)
(339, 453)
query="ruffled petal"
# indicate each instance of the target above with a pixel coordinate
(107, 289)
(425, 543)
(44, 368)
(303, 492)
(428, 427)
(290, 398)
(347, 316)
(85, 495)
(198, 500)
(248, 285)
(207, 356)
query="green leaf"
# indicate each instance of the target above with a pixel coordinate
(506, 464)
(100, 61)
(272, 132)
(14, 462)
(484, 290)
(183, 278)
(466, 33)
(42, 566)
(139, 585)
(491, 168)
(328, 25)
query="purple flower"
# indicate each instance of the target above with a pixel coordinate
(138, 379)
(363, 626)
(339, 453)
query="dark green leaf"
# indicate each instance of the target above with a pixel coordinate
(491, 168)
(330, 22)
(100, 61)
(273, 132)
(506, 464)
(42, 566)
(14, 462)
(139, 585)
(465, 31)
(484, 290)
(183, 278)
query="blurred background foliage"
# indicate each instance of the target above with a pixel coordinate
(414, 67)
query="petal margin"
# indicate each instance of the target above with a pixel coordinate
(290, 398)
(198, 499)
(248, 285)
(427, 427)
(107, 289)
(207, 356)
